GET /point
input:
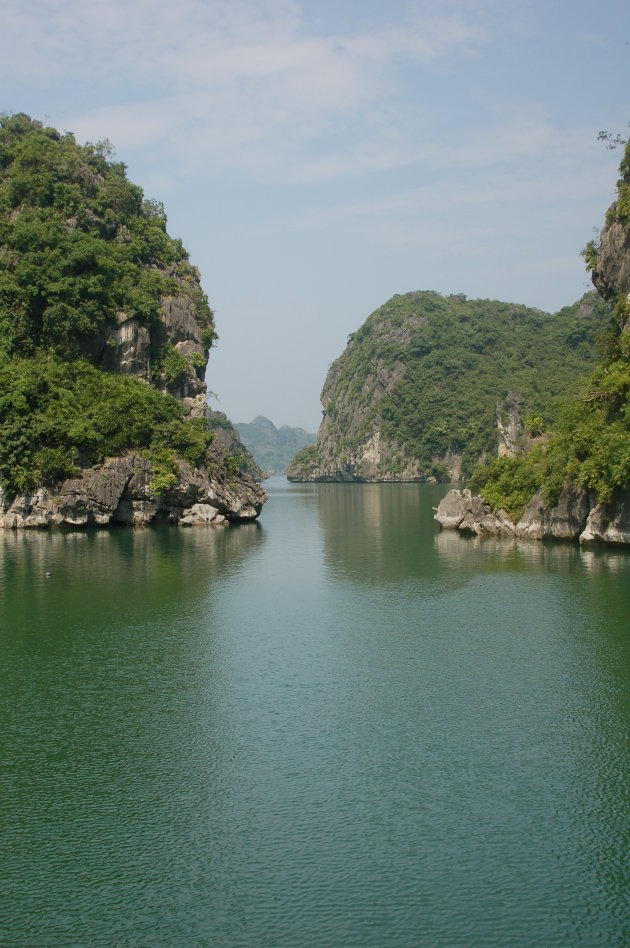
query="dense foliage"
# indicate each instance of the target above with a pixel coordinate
(429, 371)
(590, 445)
(79, 247)
(57, 416)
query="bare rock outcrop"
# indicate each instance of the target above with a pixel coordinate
(462, 511)
(577, 516)
(611, 275)
(609, 524)
(120, 491)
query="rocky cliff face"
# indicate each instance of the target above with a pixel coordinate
(133, 347)
(351, 442)
(430, 385)
(611, 276)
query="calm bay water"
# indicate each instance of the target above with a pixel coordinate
(334, 727)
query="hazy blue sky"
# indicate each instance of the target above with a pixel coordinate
(317, 157)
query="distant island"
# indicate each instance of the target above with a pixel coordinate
(105, 333)
(273, 448)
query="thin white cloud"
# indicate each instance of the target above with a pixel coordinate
(489, 205)
(245, 82)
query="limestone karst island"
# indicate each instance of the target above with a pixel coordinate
(531, 408)
(104, 343)
(105, 334)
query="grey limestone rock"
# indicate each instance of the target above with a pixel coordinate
(576, 516)
(609, 524)
(611, 276)
(459, 510)
(119, 492)
(565, 521)
(452, 509)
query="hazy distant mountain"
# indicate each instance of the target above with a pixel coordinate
(273, 447)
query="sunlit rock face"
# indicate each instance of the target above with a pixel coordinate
(611, 276)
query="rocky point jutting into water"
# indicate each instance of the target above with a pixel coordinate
(576, 515)
(430, 385)
(105, 334)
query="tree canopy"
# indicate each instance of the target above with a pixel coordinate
(80, 246)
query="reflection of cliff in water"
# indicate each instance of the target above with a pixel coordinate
(379, 533)
(133, 574)
(471, 554)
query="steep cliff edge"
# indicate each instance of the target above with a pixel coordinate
(431, 384)
(576, 484)
(105, 334)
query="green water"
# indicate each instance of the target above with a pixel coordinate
(335, 727)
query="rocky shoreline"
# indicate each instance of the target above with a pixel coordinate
(577, 517)
(119, 492)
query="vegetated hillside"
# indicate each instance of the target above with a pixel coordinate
(105, 333)
(273, 448)
(430, 384)
(589, 449)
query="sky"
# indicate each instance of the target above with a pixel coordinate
(317, 157)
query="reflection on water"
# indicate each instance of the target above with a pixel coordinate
(124, 572)
(472, 554)
(375, 532)
(339, 727)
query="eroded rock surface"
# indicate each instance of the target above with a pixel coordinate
(577, 516)
(462, 511)
(119, 492)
